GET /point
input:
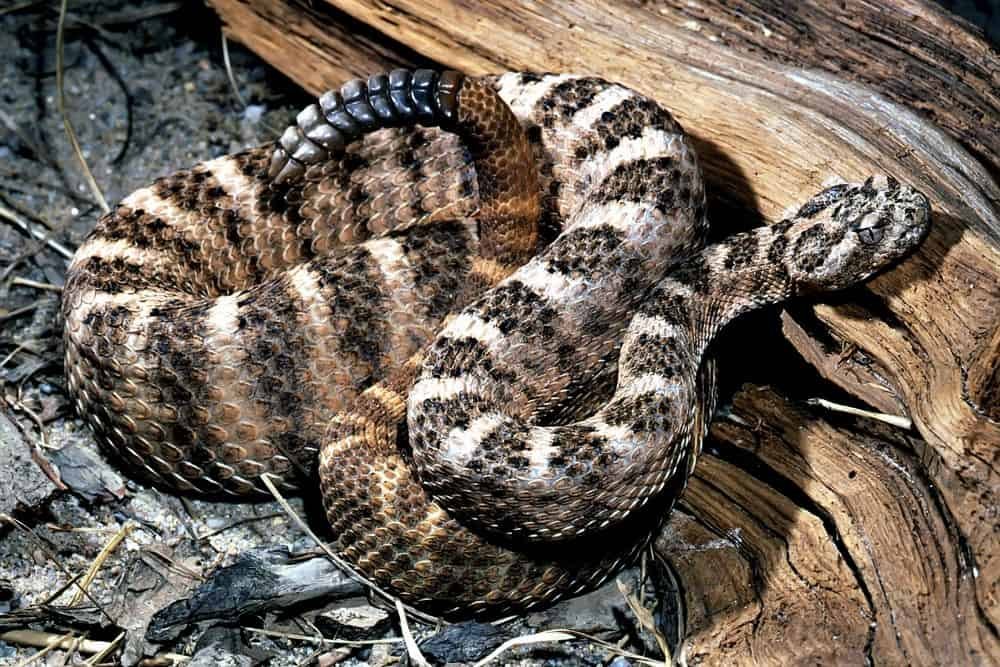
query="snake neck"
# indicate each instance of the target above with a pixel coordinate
(705, 293)
(840, 238)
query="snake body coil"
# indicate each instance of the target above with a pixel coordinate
(493, 334)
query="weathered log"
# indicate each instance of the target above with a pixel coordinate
(782, 98)
(321, 46)
(804, 539)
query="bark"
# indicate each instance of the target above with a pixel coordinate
(809, 538)
(782, 99)
(312, 43)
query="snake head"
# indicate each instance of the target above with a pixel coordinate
(847, 233)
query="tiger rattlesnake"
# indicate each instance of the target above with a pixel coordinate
(235, 319)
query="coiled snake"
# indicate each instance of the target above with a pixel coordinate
(492, 334)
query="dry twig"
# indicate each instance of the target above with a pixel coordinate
(320, 639)
(61, 96)
(24, 345)
(27, 228)
(898, 421)
(25, 282)
(95, 567)
(229, 72)
(55, 561)
(412, 650)
(26, 637)
(646, 620)
(48, 641)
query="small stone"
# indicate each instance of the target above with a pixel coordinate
(9, 599)
(87, 474)
(361, 622)
(254, 112)
(462, 642)
(216, 522)
(25, 486)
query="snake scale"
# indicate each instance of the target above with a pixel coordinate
(482, 304)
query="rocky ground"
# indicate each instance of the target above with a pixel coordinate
(85, 552)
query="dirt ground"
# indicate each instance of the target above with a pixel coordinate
(146, 92)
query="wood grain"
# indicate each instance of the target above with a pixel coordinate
(796, 515)
(782, 99)
(321, 47)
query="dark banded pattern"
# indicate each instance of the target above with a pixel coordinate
(628, 119)
(556, 320)
(641, 437)
(565, 99)
(284, 356)
(294, 320)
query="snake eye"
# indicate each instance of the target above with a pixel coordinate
(870, 227)
(870, 235)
